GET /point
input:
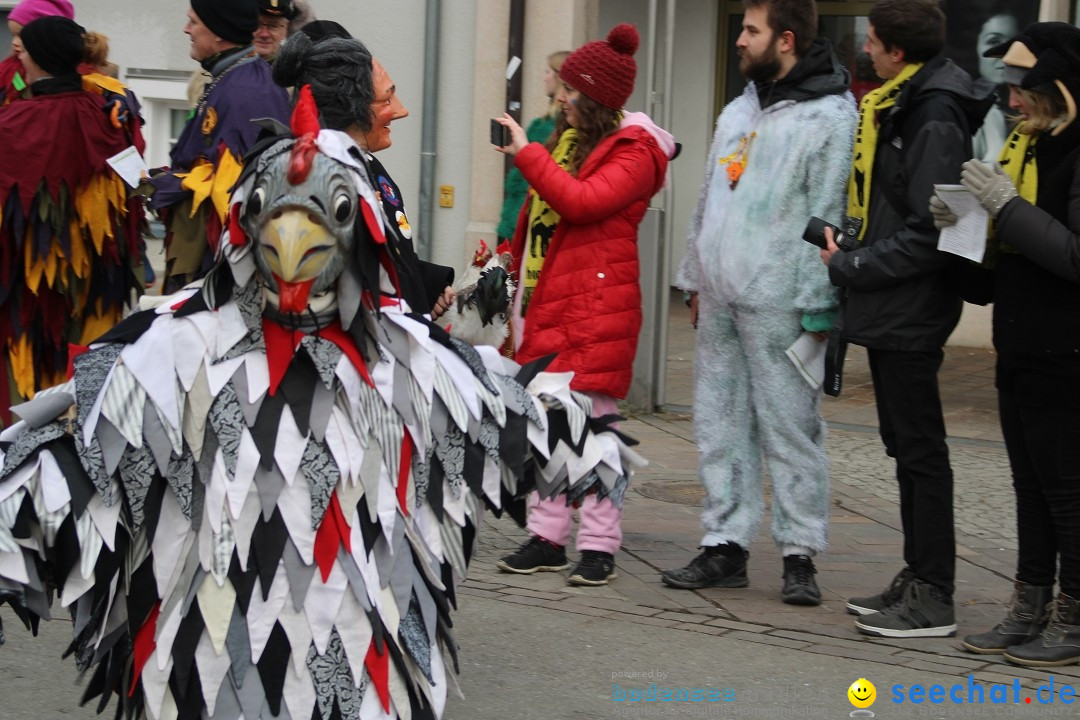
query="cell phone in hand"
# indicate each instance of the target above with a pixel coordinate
(500, 134)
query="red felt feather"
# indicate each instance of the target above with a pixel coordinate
(305, 116)
(305, 128)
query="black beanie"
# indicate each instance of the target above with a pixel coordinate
(55, 43)
(232, 20)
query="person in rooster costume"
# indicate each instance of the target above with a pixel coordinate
(70, 254)
(256, 497)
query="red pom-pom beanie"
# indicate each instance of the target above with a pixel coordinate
(604, 70)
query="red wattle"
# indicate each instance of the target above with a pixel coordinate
(293, 297)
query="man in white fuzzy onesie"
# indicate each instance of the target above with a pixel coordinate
(781, 154)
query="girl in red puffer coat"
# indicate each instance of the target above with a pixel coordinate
(576, 260)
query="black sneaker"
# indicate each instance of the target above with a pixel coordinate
(889, 596)
(716, 566)
(537, 555)
(800, 588)
(595, 568)
(925, 610)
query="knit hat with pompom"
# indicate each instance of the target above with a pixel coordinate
(604, 70)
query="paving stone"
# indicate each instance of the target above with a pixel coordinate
(853, 653)
(576, 609)
(735, 625)
(767, 639)
(942, 668)
(970, 662)
(528, 592)
(615, 605)
(836, 642)
(479, 592)
(692, 627)
(684, 617)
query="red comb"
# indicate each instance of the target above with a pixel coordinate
(305, 128)
(305, 116)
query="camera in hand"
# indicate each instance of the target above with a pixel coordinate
(500, 134)
(845, 239)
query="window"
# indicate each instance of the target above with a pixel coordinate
(177, 119)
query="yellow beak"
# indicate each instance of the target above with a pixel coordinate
(296, 245)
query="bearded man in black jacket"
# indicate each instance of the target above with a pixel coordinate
(914, 132)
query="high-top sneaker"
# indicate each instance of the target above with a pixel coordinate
(1026, 617)
(889, 596)
(924, 610)
(1058, 643)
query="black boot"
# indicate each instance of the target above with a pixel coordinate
(1058, 644)
(1026, 617)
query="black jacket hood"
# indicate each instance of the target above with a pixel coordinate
(816, 74)
(942, 75)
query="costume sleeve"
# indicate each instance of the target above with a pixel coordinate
(1042, 238)
(627, 175)
(436, 279)
(933, 156)
(827, 179)
(689, 276)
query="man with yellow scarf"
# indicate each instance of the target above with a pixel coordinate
(914, 131)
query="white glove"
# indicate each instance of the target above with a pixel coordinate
(989, 184)
(943, 216)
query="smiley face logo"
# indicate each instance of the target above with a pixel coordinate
(862, 693)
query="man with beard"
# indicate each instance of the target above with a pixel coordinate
(914, 132)
(781, 154)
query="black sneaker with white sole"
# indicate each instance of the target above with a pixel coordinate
(889, 596)
(925, 610)
(595, 568)
(536, 555)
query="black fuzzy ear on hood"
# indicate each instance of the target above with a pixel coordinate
(1056, 47)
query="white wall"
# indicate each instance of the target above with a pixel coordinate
(693, 120)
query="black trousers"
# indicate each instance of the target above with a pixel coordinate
(1044, 452)
(913, 430)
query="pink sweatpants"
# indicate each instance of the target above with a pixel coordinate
(601, 520)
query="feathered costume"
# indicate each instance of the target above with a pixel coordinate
(69, 236)
(257, 498)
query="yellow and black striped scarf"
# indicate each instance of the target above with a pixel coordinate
(542, 221)
(1017, 159)
(866, 138)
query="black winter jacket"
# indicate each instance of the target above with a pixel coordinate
(1037, 285)
(899, 294)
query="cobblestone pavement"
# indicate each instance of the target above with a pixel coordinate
(663, 533)
(983, 495)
